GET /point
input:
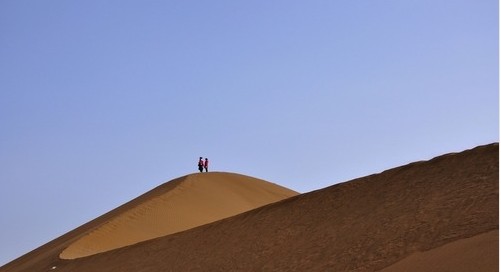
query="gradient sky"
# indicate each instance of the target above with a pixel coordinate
(101, 101)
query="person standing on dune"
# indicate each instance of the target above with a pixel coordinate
(206, 165)
(200, 165)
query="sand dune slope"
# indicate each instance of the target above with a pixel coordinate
(175, 206)
(478, 253)
(196, 200)
(422, 211)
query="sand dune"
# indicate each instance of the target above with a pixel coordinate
(443, 211)
(180, 205)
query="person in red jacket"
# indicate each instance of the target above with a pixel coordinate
(206, 165)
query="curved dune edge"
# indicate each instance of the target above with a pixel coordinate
(179, 205)
(477, 253)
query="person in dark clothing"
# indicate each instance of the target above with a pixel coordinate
(200, 165)
(206, 165)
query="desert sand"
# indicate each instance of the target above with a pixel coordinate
(182, 204)
(436, 215)
(478, 253)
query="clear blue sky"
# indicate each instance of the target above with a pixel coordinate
(101, 101)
